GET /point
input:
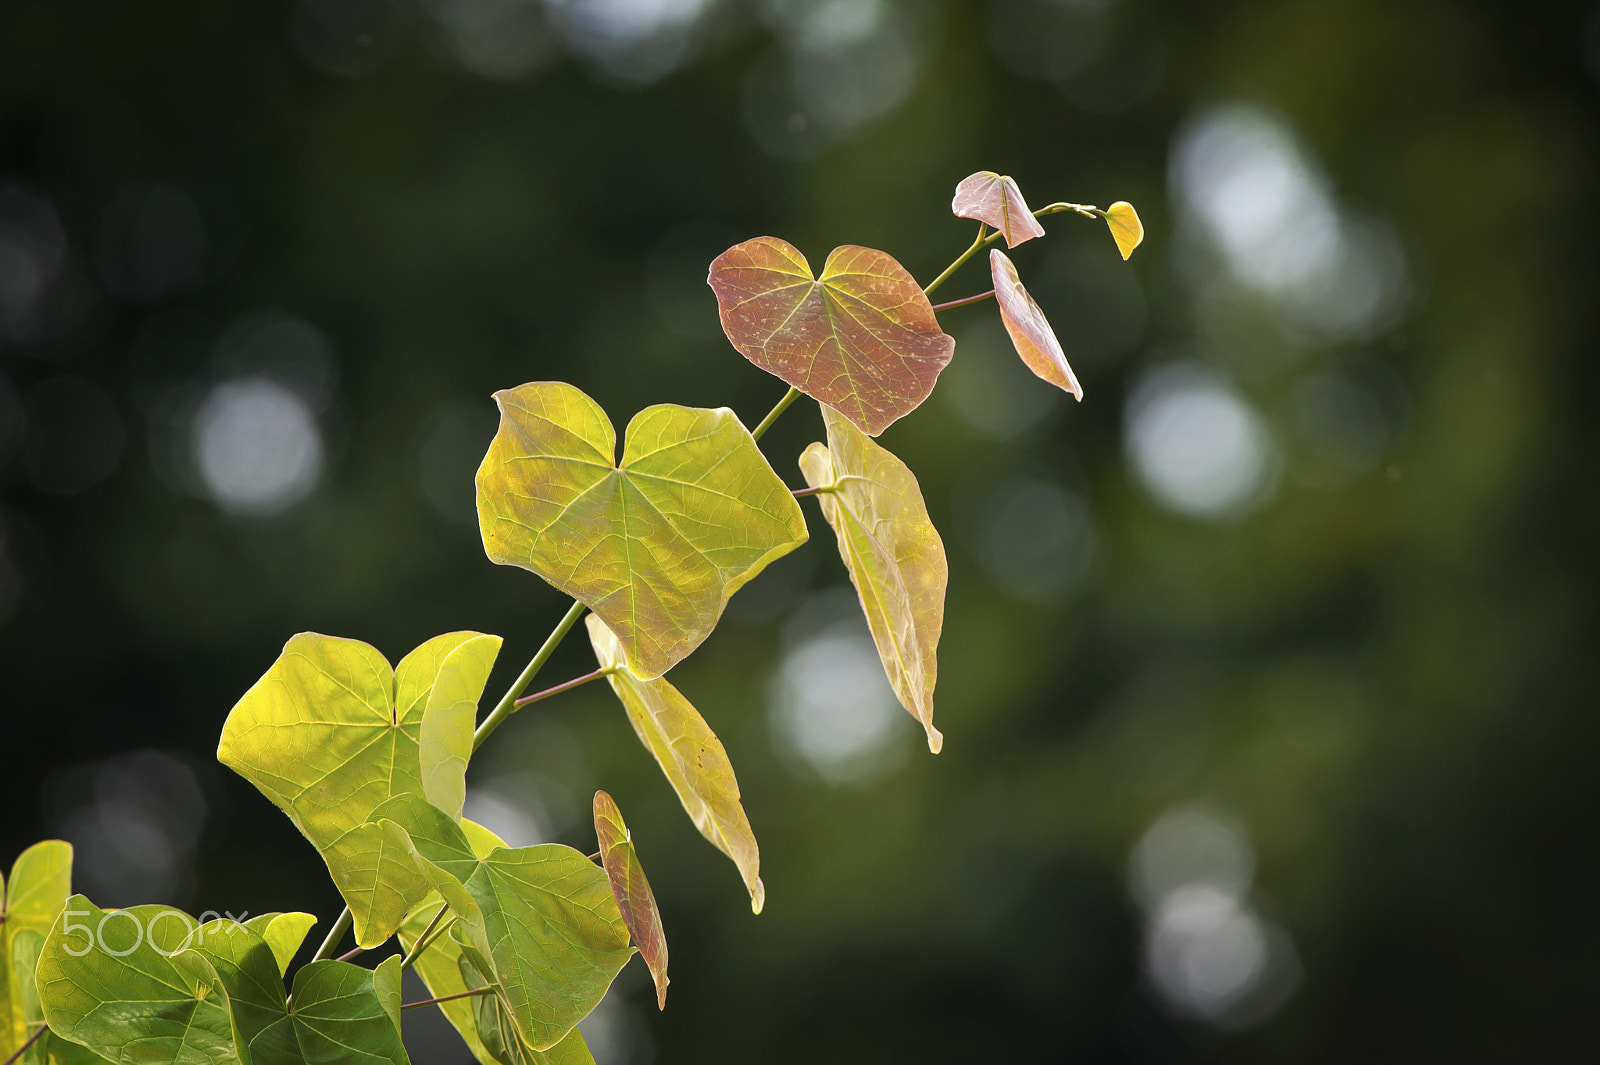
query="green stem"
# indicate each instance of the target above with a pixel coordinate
(963, 302)
(1087, 210)
(445, 998)
(508, 703)
(772, 415)
(336, 933)
(425, 940)
(962, 258)
(565, 686)
(801, 493)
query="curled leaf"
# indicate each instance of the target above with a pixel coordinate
(1126, 229)
(690, 755)
(631, 890)
(1030, 333)
(862, 338)
(996, 201)
(895, 557)
(655, 544)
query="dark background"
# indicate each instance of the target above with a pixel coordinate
(1267, 676)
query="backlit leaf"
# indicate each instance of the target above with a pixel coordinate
(690, 755)
(862, 338)
(655, 545)
(631, 890)
(996, 201)
(1126, 229)
(497, 1036)
(451, 716)
(895, 557)
(127, 996)
(30, 901)
(1030, 333)
(330, 732)
(283, 933)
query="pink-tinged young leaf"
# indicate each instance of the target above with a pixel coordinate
(691, 756)
(654, 544)
(895, 557)
(631, 890)
(1030, 333)
(1126, 229)
(861, 339)
(995, 200)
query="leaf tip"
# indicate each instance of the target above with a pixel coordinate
(935, 740)
(758, 896)
(661, 993)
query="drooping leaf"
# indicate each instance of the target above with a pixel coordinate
(499, 1039)
(283, 932)
(330, 732)
(631, 890)
(690, 755)
(1030, 333)
(895, 557)
(126, 996)
(996, 201)
(41, 880)
(862, 338)
(655, 545)
(1126, 229)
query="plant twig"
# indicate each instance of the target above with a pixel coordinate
(425, 940)
(963, 302)
(604, 671)
(772, 415)
(445, 998)
(801, 493)
(963, 257)
(336, 933)
(351, 955)
(508, 702)
(23, 1049)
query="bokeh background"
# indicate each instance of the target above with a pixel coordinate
(1268, 676)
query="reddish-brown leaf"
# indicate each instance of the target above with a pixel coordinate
(631, 890)
(996, 201)
(862, 338)
(1030, 333)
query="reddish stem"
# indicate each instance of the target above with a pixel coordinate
(559, 688)
(23, 1049)
(963, 302)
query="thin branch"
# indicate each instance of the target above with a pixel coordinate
(508, 702)
(351, 955)
(963, 302)
(801, 493)
(575, 682)
(23, 1049)
(772, 415)
(427, 940)
(445, 998)
(336, 933)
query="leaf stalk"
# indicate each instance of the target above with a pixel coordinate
(427, 938)
(445, 998)
(963, 302)
(772, 415)
(604, 671)
(508, 703)
(336, 933)
(23, 1049)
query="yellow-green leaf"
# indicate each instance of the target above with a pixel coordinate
(41, 880)
(283, 933)
(862, 338)
(1126, 229)
(330, 732)
(496, 1034)
(451, 716)
(690, 755)
(631, 890)
(996, 201)
(895, 557)
(1030, 333)
(654, 545)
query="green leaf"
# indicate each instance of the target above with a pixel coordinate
(284, 933)
(126, 996)
(30, 901)
(1126, 229)
(690, 755)
(655, 545)
(895, 557)
(26, 946)
(631, 890)
(501, 1043)
(996, 201)
(330, 732)
(861, 339)
(1030, 333)
(451, 717)
(340, 1014)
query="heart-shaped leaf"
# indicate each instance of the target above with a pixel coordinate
(655, 545)
(1126, 229)
(112, 981)
(631, 890)
(862, 338)
(895, 557)
(330, 732)
(41, 880)
(1030, 333)
(996, 201)
(690, 755)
